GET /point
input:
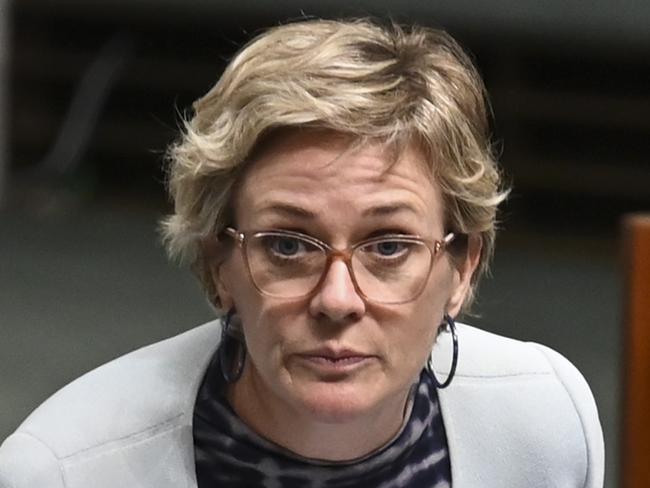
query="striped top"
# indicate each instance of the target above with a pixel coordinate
(229, 454)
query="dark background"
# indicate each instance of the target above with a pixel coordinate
(92, 94)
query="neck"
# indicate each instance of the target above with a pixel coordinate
(304, 434)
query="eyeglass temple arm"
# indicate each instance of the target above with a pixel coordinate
(448, 239)
(235, 234)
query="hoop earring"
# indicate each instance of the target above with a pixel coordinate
(232, 348)
(451, 325)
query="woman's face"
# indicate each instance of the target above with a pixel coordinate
(306, 181)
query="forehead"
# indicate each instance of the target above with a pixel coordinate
(326, 173)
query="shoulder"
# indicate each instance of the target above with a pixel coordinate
(488, 355)
(143, 393)
(528, 397)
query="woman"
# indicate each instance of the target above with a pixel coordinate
(336, 194)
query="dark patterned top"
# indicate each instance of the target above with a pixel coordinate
(229, 454)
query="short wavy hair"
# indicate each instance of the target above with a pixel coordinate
(396, 84)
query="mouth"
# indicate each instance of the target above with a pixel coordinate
(335, 361)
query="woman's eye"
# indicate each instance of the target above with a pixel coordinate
(388, 248)
(287, 246)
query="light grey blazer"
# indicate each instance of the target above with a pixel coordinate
(516, 415)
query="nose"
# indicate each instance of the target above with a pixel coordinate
(337, 299)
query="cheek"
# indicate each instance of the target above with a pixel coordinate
(420, 322)
(250, 306)
(439, 290)
(417, 335)
(235, 281)
(271, 330)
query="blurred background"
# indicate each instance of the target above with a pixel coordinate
(90, 95)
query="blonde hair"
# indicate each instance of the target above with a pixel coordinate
(396, 84)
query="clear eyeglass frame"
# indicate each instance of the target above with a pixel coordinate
(435, 247)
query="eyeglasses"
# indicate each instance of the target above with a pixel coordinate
(389, 269)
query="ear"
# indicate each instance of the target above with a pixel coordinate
(225, 299)
(213, 257)
(465, 265)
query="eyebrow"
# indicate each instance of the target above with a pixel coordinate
(289, 210)
(384, 210)
(302, 213)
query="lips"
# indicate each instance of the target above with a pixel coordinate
(332, 354)
(339, 360)
(342, 360)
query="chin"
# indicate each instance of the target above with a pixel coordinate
(335, 403)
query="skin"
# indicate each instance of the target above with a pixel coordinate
(309, 181)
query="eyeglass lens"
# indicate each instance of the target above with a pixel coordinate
(387, 270)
